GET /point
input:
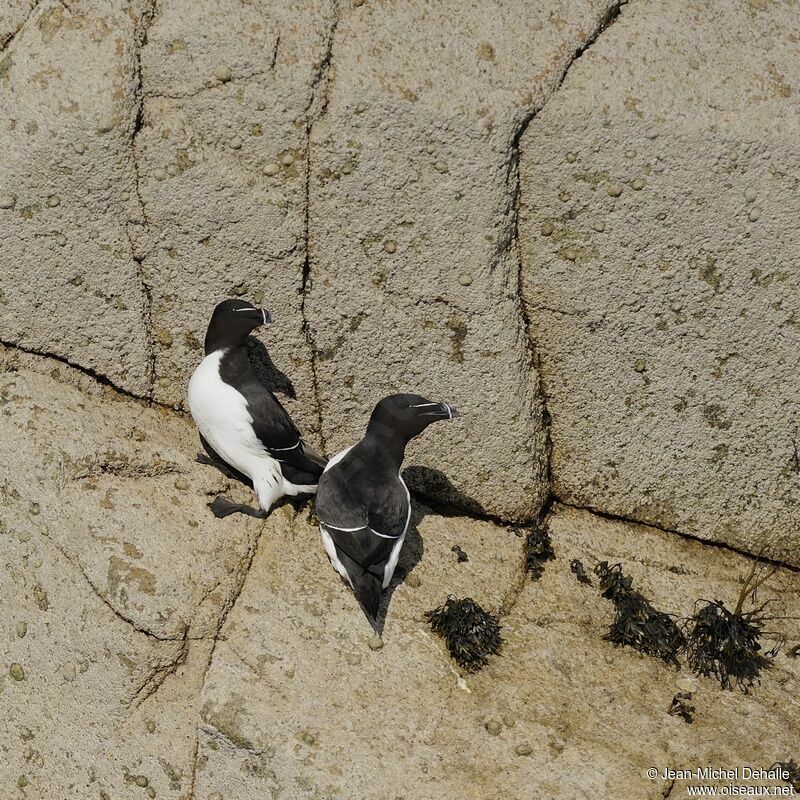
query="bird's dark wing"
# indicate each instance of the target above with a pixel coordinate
(299, 464)
(365, 522)
(350, 497)
(364, 556)
(271, 424)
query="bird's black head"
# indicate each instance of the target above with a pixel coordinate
(232, 322)
(403, 416)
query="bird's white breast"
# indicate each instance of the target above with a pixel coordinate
(221, 415)
(337, 458)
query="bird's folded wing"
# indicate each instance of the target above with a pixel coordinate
(272, 425)
(367, 548)
(344, 521)
(364, 546)
(280, 436)
(300, 456)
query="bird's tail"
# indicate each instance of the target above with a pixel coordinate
(366, 587)
(314, 457)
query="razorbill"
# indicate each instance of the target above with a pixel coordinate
(363, 504)
(243, 428)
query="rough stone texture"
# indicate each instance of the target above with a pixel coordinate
(101, 465)
(296, 702)
(250, 670)
(159, 156)
(12, 18)
(83, 721)
(68, 282)
(595, 715)
(667, 319)
(353, 166)
(414, 266)
(228, 89)
(412, 224)
(112, 579)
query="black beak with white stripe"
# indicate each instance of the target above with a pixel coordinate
(363, 504)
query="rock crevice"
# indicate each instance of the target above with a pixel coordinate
(7, 39)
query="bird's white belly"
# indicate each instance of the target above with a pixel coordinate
(337, 458)
(395, 555)
(221, 416)
(330, 549)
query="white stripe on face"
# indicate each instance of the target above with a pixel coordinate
(264, 314)
(443, 406)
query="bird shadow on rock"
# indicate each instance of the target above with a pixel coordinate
(410, 556)
(433, 494)
(434, 487)
(270, 376)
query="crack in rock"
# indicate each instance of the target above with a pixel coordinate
(514, 182)
(220, 738)
(315, 110)
(155, 678)
(147, 316)
(88, 372)
(9, 40)
(243, 572)
(119, 465)
(689, 536)
(117, 613)
(237, 81)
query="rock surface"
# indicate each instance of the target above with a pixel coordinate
(69, 284)
(576, 221)
(667, 318)
(412, 224)
(227, 92)
(628, 303)
(251, 672)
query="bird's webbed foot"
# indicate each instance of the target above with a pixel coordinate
(222, 507)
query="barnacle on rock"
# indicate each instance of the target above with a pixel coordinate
(579, 570)
(538, 549)
(636, 622)
(471, 634)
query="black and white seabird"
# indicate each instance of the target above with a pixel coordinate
(243, 428)
(363, 504)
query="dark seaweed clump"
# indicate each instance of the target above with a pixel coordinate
(613, 581)
(538, 549)
(471, 634)
(681, 707)
(791, 771)
(461, 555)
(580, 571)
(636, 622)
(725, 644)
